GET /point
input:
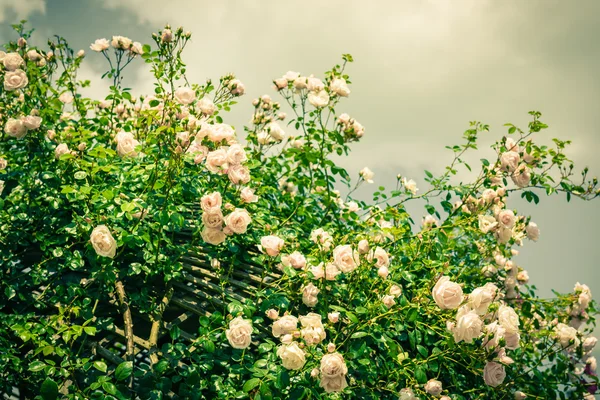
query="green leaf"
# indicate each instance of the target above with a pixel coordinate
(422, 350)
(251, 384)
(420, 375)
(90, 330)
(357, 335)
(49, 390)
(10, 292)
(109, 388)
(123, 370)
(37, 366)
(100, 366)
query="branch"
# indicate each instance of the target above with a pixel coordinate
(156, 323)
(129, 355)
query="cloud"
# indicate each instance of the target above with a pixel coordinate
(14, 10)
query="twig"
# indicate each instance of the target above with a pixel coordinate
(129, 355)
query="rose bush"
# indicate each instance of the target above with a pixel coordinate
(109, 207)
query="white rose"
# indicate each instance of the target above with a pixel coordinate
(103, 242)
(206, 106)
(33, 55)
(322, 238)
(495, 332)
(310, 295)
(236, 87)
(14, 80)
(522, 176)
(345, 259)
(121, 42)
(533, 232)
(396, 290)
(67, 98)
(567, 336)
(507, 218)
(239, 333)
(508, 318)
(15, 128)
(493, 374)
(216, 161)
(333, 317)
(487, 223)
(126, 144)
(367, 174)
(512, 340)
(60, 150)
(271, 245)
(468, 327)
(247, 195)
(339, 87)
(319, 99)
(520, 395)
(292, 356)
(380, 256)
(295, 260)
(238, 220)
(333, 372)
(280, 83)
(12, 61)
(32, 121)
(238, 174)
(272, 314)
(211, 202)
(185, 95)
(589, 344)
(410, 185)
(290, 76)
(363, 246)
(213, 219)
(388, 301)
(300, 83)
(137, 48)
(509, 161)
(504, 235)
(219, 132)
(329, 273)
(213, 236)
(447, 294)
(313, 331)
(433, 387)
(489, 195)
(275, 131)
(285, 325)
(314, 84)
(407, 394)
(481, 298)
(100, 45)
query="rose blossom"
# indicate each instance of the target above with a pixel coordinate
(15, 128)
(508, 318)
(275, 131)
(330, 272)
(121, 42)
(567, 336)
(367, 174)
(322, 238)
(284, 326)
(32, 122)
(507, 218)
(333, 373)
(238, 220)
(126, 144)
(512, 340)
(509, 161)
(100, 45)
(339, 87)
(271, 245)
(247, 195)
(407, 394)
(239, 333)
(481, 298)
(295, 260)
(238, 174)
(383, 272)
(67, 98)
(313, 331)
(447, 294)
(211, 202)
(236, 87)
(520, 395)
(468, 325)
(504, 235)
(493, 374)
(318, 99)
(388, 301)
(314, 84)
(213, 219)
(433, 387)
(380, 256)
(363, 246)
(345, 259)
(3, 163)
(396, 290)
(14, 80)
(309, 295)
(103, 242)
(333, 317)
(589, 344)
(12, 61)
(60, 150)
(216, 161)
(185, 95)
(487, 223)
(410, 185)
(521, 176)
(292, 356)
(533, 232)
(213, 236)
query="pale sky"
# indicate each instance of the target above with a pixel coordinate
(423, 69)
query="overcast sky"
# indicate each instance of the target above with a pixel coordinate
(423, 69)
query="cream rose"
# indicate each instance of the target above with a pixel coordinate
(508, 318)
(512, 340)
(567, 336)
(339, 87)
(103, 242)
(506, 218)
(206, 106)
(447, 294)
(410, 185)
(313, 331)
(15, 128)
(522, 176)
(236, 154)
(14, 80)
(100, 45)
(121, 42)
(185, 95)
(213, 219)
(271, 245)
(275, 131)
(345, 259)
(319, 99)
(334, 317)
(380, 256)
(60, 150)
(292, 356)
(407, 394)
(285, 325)
(367, 174)
(330, 272)
(247, 195)
(238, 174)
(493, 374)
(388, 301)
(533, 232)
(314, 84)
(32, 122)
(12, 61)
(310, 295)
(487, 223)
(322, 238)
(238, 220)
(433, 387)
(239, 333)
(468, 326)
(126, 144)
(295, 260)
(509, 161)
(481, 298)
(213, 236)
(211, 202)
(333, 372)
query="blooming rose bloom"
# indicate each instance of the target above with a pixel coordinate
(410, 185)
(339, 87)
(322, 238)
(100, 45)
(247, 195)
(137, 48)
(334, 317)
(509, 161)
(103, 242)
(446, 294)
(239, 333)
(295, 260)
(481, 298)
(236, 87)
(14, 80)
(166, 36)
(300, 83)
(216, 161)
(292, 356)
(275, 131)
(345, 259)
(533, 232)
(213, 219)
(32, 121)
(433, 387)
(290, 76)
(15, 128)
(567, 336)
(367, 174)
(271, 245)
(238, 220)
(12, 61)
(333, 372)
(521, 176)
(504, 235)
(213, 236)
(388, 301)
(314, 84)
(495, 332)
(126, 144)
(407, 394)
(396, 290)
(363, 246)
(493, 374)
(507, 218)
(185, 95)
(489, 195)
(429, 221)
(67, 98)
(285, 325)
(206, 106)
(512, 340)
(121, 42)
(309, 295)
(468, 325)
(318, 99)
(383, 272)
(313, 331)
(329, 272)
(272, 314)
(280, 83)
(380, 256)
(238, 174)
(508, 318)
(60, 150)
(487, 223)
(211, 202)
